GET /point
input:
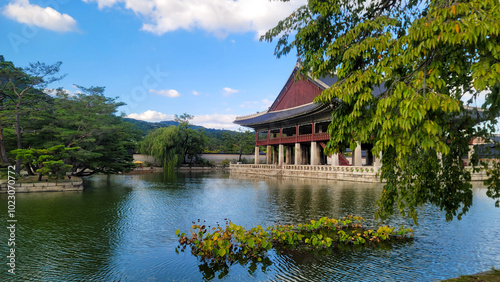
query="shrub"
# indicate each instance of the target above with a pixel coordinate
(232, 242)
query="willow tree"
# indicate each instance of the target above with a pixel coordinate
(427, 55)
(163, 145)
(171, 145)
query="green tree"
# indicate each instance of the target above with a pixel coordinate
(19, 88)
(426, 55)
(246, 143)
(88, 120)
(173, 144)
(192, 141)
(48, 162)
(163, 144)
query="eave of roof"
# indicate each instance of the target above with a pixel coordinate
(275, 116)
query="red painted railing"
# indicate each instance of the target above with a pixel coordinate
(323, 136)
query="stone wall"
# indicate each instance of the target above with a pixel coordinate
(215, 158)
(369, 174)
(76, 185)
(343, 173)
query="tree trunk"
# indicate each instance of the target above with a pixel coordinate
(18, 133)
(28, 169)
(3, 153)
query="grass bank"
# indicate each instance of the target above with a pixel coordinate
(487, 276)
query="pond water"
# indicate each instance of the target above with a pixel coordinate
(122, 228)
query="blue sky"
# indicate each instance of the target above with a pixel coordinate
(161, 57)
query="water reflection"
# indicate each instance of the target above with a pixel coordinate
(122, 228)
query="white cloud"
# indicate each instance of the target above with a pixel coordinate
(218, 17)
(228, 91)
(24, 12)
(216, 121)
(195, 93)
(480, 98)
(53, 92)
(266, 103)
(208, 121)
(262, 104)
(151, 116)
(168, 93)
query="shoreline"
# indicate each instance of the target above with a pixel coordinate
(486, 276)
(75, 184)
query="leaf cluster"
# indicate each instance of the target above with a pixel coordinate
(403, 69)
(49, 161)
(221, 245)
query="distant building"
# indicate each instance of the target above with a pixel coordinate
(485, 150)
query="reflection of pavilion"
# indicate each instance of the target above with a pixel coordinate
(294, 129)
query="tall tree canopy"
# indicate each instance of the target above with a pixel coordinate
(86, 120)
(20, 89)
(427, 55)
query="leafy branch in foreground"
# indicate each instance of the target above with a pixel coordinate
(427, 57)
(232, 243)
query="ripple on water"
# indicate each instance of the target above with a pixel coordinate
(122, 228)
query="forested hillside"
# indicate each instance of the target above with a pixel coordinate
(217, 140)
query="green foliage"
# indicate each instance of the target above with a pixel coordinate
(215, 140)
(232, 242)
(163, 144)
(48, 162)
(54, 169)
(241, 142)
(86, 120)
(173, 144)
(192, 142)
(225, 163)
(493, 182)
(21, 94)
(426, 55)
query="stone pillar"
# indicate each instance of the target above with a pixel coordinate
(305, 156)
(281, 155)
(469, 155)
(288, 155)
(377, 162)
(269, 154)
(335, 159)
(315, 154)
(298, 154)
(275, 155)
(356, 155)
(256, 155)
